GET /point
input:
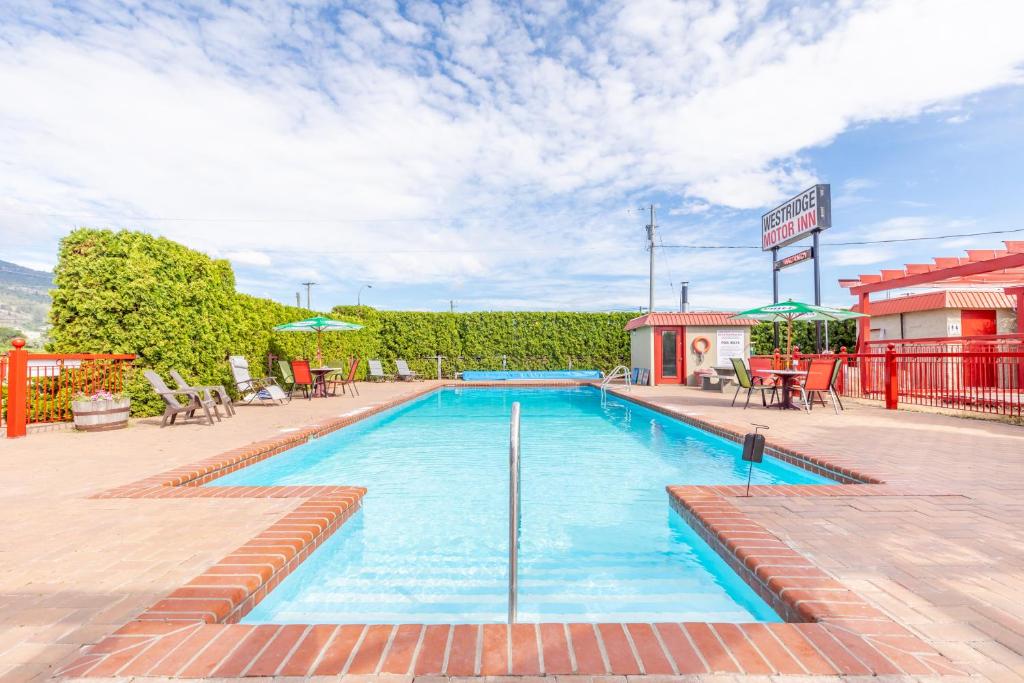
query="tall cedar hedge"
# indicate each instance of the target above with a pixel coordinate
(130, 292)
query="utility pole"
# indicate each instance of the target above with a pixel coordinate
(298, 300)
(308, 285)
(651, 228)
(451, 305)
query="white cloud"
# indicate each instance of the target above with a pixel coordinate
(457, 142)
(250, 258)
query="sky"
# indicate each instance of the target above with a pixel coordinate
(492, 156)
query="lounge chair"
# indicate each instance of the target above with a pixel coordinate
(302, 378)
(264, 389)
(745, 381)
(212, 392)
(404, 373)
(821, 375)
(376, 372)
(346, 381)
(173, 406)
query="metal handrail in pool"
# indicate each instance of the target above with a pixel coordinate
(513, 514)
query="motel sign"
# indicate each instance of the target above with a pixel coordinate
(805, 215)
(792, 220)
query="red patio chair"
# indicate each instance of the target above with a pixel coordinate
(760, 371)
(821, 375)
(303, 378)
(349, 380)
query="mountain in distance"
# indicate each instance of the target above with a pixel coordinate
(25, 299)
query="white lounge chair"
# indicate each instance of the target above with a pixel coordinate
(264, 389)
(404, 373)
(376, 372)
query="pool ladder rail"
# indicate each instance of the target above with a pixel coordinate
(514, 512)
(620, 372)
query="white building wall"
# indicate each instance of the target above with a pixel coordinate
(641, 349)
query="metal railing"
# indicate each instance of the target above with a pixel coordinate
(989, 381)
(620, 372)
(513, 515)
(40, 386)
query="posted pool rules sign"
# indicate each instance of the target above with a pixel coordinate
(796, 218)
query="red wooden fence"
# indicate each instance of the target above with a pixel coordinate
(40, 386)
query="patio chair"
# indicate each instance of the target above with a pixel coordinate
(757, 367)
(821, 374)
(211, 392)
(404, 373)
(287, 378)
(745, 381)
(302, 378)
(336, 376)
(348, 380)
(376, 372)
(264, 389)
(173, 406)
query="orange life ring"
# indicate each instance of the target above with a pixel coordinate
(701, 345)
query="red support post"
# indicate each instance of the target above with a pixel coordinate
(844, 360)
(17, 389)
(892, 382)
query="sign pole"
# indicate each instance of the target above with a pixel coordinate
(817, 289)
(775, 294)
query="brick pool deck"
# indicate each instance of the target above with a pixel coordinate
(934, 557)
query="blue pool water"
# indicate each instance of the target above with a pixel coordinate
(599, 540)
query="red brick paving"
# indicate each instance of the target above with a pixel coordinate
(192, 631)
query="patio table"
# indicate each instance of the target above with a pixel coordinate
(787, 377)
(319, 381)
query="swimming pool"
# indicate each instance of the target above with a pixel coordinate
(599, 540)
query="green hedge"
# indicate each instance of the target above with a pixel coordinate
(130, 292)
(486, 340)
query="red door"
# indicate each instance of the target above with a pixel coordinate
(669, 364)
(977, 323)
(979, 371)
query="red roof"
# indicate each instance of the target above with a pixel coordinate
(930, 301)
(989, 267)
(715, 319)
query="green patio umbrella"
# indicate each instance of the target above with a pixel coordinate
(318, 324)
(789, 311)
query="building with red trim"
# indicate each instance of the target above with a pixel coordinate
(674, 346)
(943, 313)
(979, 294)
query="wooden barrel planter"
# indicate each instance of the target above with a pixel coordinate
(101, 416)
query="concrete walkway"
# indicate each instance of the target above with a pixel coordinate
(949, 567)
(74, 569)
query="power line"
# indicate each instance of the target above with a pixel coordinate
(848, 244)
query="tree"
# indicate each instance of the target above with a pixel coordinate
(9, 333)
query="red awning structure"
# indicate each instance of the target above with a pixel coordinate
(943, 298)
(980, 268)
(713, 319)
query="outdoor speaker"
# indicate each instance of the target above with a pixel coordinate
(753, 447)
